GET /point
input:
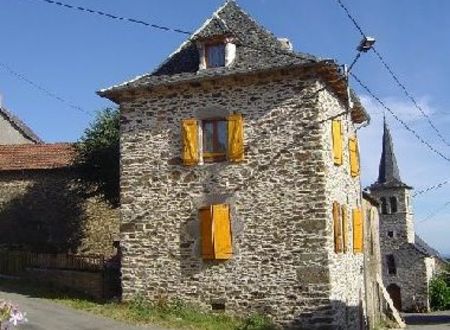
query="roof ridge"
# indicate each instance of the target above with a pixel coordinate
(20, 126)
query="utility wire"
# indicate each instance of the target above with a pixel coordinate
(436, 212)
(44, 90)
(418, 137)
(118, 18)
(393, 75)
(431, 188)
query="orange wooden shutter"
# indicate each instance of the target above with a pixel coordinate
(344, 228)
(358, 231)
(235, 138)
(190, 141)
(337, 227)
(354, 157)
(206, 233)
(222, 232)
(337, 141)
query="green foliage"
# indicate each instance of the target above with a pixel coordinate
(99, 155)
(440, 292)
(257, 322)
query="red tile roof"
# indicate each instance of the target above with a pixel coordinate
(36, 156)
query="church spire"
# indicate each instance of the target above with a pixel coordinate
(388, 173)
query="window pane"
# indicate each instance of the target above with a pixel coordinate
(208, 137)
(216, 56)
(221, 136)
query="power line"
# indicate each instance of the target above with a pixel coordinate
(435, 212)
(115, 17)
(44, 90)
(431, 188)
(418, 137)
(394, 76)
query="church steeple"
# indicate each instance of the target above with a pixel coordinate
(388, 171)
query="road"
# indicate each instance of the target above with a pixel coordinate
(45, 315)
(430, 321)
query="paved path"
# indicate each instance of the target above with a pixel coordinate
(45, 315)
(430, 321)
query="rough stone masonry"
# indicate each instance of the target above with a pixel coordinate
(281, 196)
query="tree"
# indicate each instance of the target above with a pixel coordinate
(98, 158)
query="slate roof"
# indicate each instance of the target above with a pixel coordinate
(257, 50)
(388, 171)
(425, 249)
(20, 157)
(19, 125)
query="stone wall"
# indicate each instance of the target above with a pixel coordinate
(279, 198)
(49, 211)
(346, 269)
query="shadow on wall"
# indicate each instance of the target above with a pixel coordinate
(46, 218)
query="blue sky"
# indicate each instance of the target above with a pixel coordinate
(74, 54)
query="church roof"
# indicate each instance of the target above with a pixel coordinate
(388, 171)
(425, 249)
(19, 125)
(257, 50)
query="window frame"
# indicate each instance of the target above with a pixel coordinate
(208, 46)
(214, 156)
(391, 265)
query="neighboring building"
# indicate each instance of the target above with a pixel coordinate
(379, 305)
(14, 131)
(240, 185)
(44, 208)
(408, 262)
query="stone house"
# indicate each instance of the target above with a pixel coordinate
(408, 262)
(15, 131)
(240, 186)
(43, 207)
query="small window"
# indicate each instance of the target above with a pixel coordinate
(390, 234)
(215, 136)
(215, 55)
(383, 205)
(393, 201)
(390, 262)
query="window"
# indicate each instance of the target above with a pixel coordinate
(215, 231)
(215, 55)
(337, 141)
(358, 231)
(215, 133)
(390, 262)
(390, 234)
(393, 201)
(223, 139)
(383, 205)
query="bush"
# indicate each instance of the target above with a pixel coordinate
(440, 293)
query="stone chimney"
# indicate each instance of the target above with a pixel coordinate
(286, 44)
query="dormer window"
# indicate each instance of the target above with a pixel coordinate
(215, 55)
(216, 52)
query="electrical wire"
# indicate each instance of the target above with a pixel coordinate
(396, 117)
(44, 90)
(435, 212)
(394, 76)
(431, 188)
(115, 17)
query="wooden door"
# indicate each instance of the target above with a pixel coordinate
(394, 292)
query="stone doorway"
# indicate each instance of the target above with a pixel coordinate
(394, 292)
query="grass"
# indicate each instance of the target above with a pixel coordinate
(175, 315)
